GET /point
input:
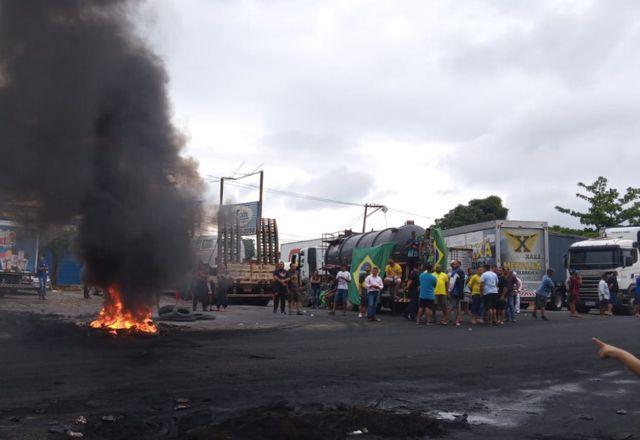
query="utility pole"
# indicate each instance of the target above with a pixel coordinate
(367, 213)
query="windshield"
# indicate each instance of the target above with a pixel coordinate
(604, 258)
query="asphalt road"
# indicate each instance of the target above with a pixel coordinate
(532, 379)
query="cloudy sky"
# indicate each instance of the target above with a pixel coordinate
(418, 105)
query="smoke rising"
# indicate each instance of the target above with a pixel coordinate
(85, 131)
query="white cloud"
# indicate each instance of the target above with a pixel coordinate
(424, 104)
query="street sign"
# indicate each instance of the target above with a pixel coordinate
(244, 215)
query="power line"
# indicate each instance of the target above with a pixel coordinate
(292, 194)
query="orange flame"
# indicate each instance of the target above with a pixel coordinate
(114, 317)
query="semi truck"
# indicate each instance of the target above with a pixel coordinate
(307, 254)
(526, 247)
(615, 251)
(18, 257)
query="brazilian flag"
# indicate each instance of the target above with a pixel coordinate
(439, 248)
(376, 256)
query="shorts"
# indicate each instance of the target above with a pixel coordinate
(489, 300)
(341, 296)
(294, 296)
(441, 302)
(604, 302)
(541, 301)
(476, 303)
(573, 298)
(637, 298)
(454, 302)
(393, 280)
(500, 304)
(425, 303)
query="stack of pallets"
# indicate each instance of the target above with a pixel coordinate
(268, 242)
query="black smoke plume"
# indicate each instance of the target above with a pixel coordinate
(85, 132)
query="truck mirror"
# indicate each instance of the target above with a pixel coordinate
(565, 261)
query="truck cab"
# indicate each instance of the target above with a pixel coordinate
(616, 251)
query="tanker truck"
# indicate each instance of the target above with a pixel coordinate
(340, 250)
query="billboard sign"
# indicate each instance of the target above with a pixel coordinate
(523, 250)
(245, 215)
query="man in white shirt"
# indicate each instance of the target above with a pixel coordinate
(374, 284)
(489, 289)
(604, 295)
(344, 278)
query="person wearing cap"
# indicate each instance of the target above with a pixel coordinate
(575, 281)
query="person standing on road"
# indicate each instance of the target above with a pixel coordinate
(222, 287)
(199, 289)
(501, 299)
(280, 282)
(343, 278)
(489, 288)
(441, 296)
(374, 284)
(315, 282)
(575, 281)
(363, 291)
(510, 294)
(294, 289)
(427, 295)
(604, 296)
(413, 286)
(614, 289)
(476, 297)
(456, 290)
(518, 291)
(412, 248)
(542, 295)
(43, 273)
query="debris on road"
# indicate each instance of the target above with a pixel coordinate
(110, 418)
(585, 417)
(75, 434)
(80, 420)
(621, 412)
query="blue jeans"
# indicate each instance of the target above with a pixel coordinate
(511, 308)
(42, 287)
(315, 295)
(372, 303)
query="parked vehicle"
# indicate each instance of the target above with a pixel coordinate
(616, 250)
(527, 247)
(306, 254)
(18, 257)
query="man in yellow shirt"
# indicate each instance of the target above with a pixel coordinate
(442, 287)
(476, 297)
(393, 277)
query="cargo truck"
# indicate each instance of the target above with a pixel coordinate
(307, 254)
(18, 257)
(615, 251)
(527, 247)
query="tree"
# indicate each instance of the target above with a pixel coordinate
(57, 241)
(477, 211)
(607, 207)
(587, 232)
(249, 248)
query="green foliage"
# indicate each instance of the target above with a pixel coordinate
(477, 211)
(249, 248)
(587, 233)
(607, 207)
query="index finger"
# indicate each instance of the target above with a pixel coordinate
(598, 342)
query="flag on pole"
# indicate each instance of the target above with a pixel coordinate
(440, 255)
(376, 256)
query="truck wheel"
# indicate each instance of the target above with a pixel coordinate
(556, 300)
(629, 309)
(583, 309)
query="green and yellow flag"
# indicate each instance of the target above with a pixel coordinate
(376, 256)
(440, 254)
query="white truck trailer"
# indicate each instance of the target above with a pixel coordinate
(527, 247)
